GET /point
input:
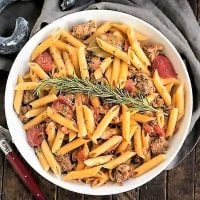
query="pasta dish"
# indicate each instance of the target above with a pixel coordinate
(99, 103)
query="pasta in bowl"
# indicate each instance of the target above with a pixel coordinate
(101, 103)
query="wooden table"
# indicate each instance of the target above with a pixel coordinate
(181, 183)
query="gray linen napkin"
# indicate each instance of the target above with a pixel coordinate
(174, 18)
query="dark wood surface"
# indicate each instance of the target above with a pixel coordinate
(181, 183)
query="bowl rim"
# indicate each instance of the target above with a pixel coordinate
(123, 188)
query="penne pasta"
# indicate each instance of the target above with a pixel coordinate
(115, 72)
(104, 123)
(161, 89)
(82, 173)
(142, 118)
(68, 123)
(89, 120)
(138, 142)
(108, 74)
(149, 165)
(123, 74)
(95, 102)
(71, 39)
(83, 63)
(166, 81)
(43, 101)
(122, 146)
(82, 131)
(151, 97)
(57, 141)
(72, 135)
(68, 64)
(71, 146)
(169, 87)
(55, 167)
(33, 76)
(51, 133)
(172, 122)
(18, 96)
(35, 112)
(42, 159)
(98, 74)
(45, 45)
(91, 162)
(119, 160)
(126, 123)
(105, 146)
(35, 121)
(101, 30)
(146, 140)
(113, 50)
(38, 71)
(160, 119)
(27, 86)
(179, 101)
(137, 63)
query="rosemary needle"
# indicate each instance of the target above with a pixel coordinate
(115, 96)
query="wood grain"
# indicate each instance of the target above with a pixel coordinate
(131, 195)
(68, 195)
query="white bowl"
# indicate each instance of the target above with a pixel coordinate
(20, 67)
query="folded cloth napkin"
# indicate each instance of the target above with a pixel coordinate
(174, 19)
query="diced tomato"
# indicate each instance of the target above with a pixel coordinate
(126, 45)
(35, 136)
(130, 86)
(64, 100)
(45, 61)
(149, 129)
(81, 155)
(158, 130)
(164, 66)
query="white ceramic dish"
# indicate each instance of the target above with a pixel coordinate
(20, 66)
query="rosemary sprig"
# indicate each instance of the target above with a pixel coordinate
(116, 96)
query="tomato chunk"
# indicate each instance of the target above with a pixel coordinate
(158, 130)
(45, 61)
(35, 136)
(164, 66)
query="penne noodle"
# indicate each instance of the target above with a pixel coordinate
(57, 141)
(82, 131)
(42, 159)
(104, 123)
(146, 140)
(71, 146)
(85, 173)
(101, 30)
(80, 165)
(68, 123)
(71, 39)
(91, 162)
(138, 142)
(27, 86)
(126, 123)
(18, 96)
(142, 118)
(169, 87)
(108, 74)
(166, 81)
(135, 45)
(38, 71)
(35, 112)
(68, 64)
(149, 165)
(51, 133)
(172, 122)
(161, 89)
(33, 76)
(57, 57)
(151, 97)
(133, 127)
(98, 74)
(160, 119)
(115, 71)
(119, 160)
(53, 90)
(72, 135)
(137, 63)
(113, 50)
(122, 146)
(179, 100)
(43, 101)
(83, 63)
(55, 167)
(89, 120)
(45, 45)
(123, 74)
(35, 121)
(95, 102)
(105, 146)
